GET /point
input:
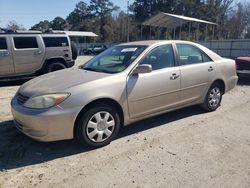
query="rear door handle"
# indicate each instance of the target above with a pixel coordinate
(38, 52)
(174, 76)
(210, 69)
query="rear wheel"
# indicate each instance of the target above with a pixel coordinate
(55, 67)
(98, 126)
(213, 97)
(90, 53)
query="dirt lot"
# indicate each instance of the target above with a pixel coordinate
(185, 148)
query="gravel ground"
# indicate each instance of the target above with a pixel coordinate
(185, 148)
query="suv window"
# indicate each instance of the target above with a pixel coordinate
(55, 41)
(25, 42)
(189, 54)
(3, 44)
(160, 57)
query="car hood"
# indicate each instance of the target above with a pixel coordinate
(59, 81)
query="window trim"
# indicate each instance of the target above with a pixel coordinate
(24, 37)
(200, 50)
(174, 57)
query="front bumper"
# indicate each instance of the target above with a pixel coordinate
(45, 125)
(243, 73)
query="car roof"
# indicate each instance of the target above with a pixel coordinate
(152, 42)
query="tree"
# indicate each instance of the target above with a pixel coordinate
(79, 18)
(102, 9)
(41, 26)
(119, 25)
(13, 25)
(238, 19)
(247, 29)
(58, 23)
(142, 9)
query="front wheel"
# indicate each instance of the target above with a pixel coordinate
(55, 67)
(98, 126)
(213, 98)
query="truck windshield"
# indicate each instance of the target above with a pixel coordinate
(115, 59)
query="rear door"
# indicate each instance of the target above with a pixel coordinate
(57, 46)
(197, 72)
(6, 61)
(28, 53)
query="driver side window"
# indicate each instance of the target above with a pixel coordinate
(160, 57)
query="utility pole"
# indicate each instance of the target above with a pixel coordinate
(128, 21)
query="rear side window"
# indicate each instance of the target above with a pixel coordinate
(3, 44)
(25, 42)
(55, 41)
(189, 54)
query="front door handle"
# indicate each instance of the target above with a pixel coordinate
(3, 54)
(174, 76)
(210, 69)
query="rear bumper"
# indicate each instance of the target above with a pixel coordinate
(70, 63)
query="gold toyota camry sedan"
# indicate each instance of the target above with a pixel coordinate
(124, 84)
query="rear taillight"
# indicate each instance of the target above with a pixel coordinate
(66, 53)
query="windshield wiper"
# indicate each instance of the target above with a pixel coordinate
(88, 68)
(95, 70)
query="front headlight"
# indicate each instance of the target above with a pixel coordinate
(46, 101)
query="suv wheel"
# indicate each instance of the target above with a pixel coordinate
(213, 98)
(55, 67)
(98, 126)
(74, 50)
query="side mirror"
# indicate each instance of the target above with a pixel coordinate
(140, 69)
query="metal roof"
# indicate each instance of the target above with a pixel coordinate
(50, 31)
(79, 33)
(163, 19)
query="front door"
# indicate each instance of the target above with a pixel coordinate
(6, 60)
(157, 91)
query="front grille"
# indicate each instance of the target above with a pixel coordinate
(242, 65)
(21, 99)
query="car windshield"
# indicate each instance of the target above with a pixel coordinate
(115, 59)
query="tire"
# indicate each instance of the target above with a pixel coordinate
(90, 53)
(213, 98)
(74, 50)
(96, 133)
(54, 67)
